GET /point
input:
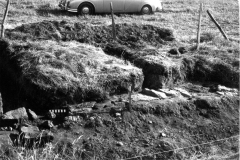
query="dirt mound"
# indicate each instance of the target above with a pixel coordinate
(161, 70)
(160, 126)
(48, 73)
(133, 35)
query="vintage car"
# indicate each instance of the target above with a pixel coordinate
(84, 7)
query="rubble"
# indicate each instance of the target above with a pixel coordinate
(184, 92)
(119, 144)
(171, 93)
(19, 113)
(154, 93)
(32, 114)
(141, 97)
(51, 115)
(46, 124)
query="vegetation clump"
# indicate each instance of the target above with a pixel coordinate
(67, 72)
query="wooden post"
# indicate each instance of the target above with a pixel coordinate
(113, 23)
(199, 26)
(218, 26)
(4, 18)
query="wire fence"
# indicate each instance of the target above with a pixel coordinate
(177, 149)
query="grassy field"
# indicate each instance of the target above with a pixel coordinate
(181, 15)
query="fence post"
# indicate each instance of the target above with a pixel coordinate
(113, 23)
(4, 18)
(218, 26)
(199, 25)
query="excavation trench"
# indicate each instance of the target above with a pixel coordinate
(23, 63)
(43, 66)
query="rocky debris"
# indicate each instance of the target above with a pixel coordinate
(75, 111)
(1, 105)
(174, 51)
(46, 125)
(32, 114)
(141, 97)
(223, 90)
(51, 115)
(220, 93)
(183, 92)
(6, 129)
(82, 76)
(31, 139)
(83, 105)
(29, 129)
(6, 124)
(150, 122)
(72, 118)
(118, 115)
(102, 105)
(170, 93)
(19, 113)
(226, 89)
(154, 93)
(120, 144)
(119, 104)
(182, 50)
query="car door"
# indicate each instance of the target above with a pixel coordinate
(98, 4)
(132, 5)
(118, 5)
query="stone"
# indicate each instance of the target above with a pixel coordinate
(92, 118)
(104, 104)
(171, 93)
(32, 114)
(229, 94)
(119, 144)
(46, 124)
(182, 50)
(19, 113)
(160, 95)
(118, 118)
(141, 97)
(120, 104)
(80, 110)
(154, 93)
(51, 115)
(118, 114)
(150, 122)
(184, 92)
(85, 105)
(174, 51)
(163, 134)
(220, 93)
(226, 89)
(29, 129)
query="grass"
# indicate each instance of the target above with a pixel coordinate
(180, 15)
(70, 70)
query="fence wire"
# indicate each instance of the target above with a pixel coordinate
(177, 149)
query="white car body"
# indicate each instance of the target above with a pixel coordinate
(119, 6)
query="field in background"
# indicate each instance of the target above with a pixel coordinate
(181, 15)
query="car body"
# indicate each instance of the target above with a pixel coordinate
(103, 6)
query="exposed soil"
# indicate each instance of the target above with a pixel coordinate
(145, 128)
(137, 44)
(131, 35)
(159, 126)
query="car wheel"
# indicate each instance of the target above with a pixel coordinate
(146, 9)
(85, 9)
